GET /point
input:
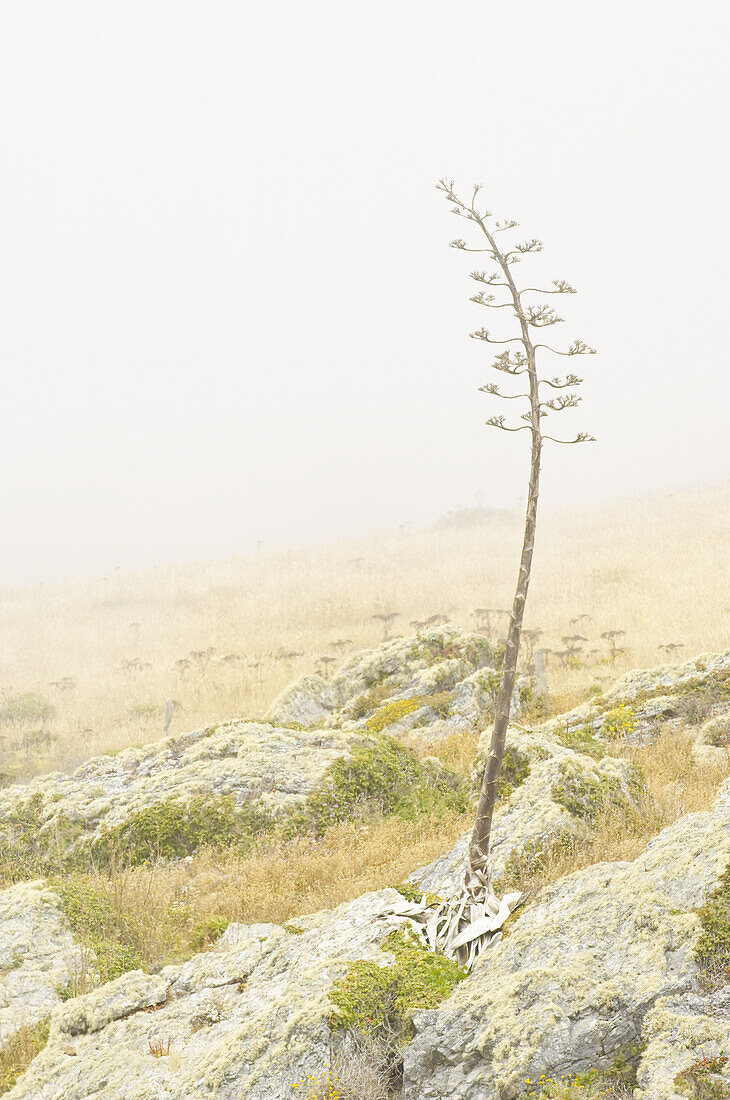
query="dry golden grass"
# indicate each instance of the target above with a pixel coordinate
(19, 1051)
(657, 568)
(280, 882)
(154, 912)
(272, 883)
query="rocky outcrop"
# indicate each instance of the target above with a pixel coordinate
(574, 981)
(601, 961)
(38, 956)
(441, 660)
(262, 767)
(247, 1019)
(265, 768)
(643, 702)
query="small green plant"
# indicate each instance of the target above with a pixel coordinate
(533, 706)
(717, 733)
(206, 932)
(409, 891)
(530, 864)
(159, 1048)
(371, 699)
(488, 681)
(587, 796)
(515, 770)
(581, 739)
(380, 1000)
(712, 950)
(699, 1081)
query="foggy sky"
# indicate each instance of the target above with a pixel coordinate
(230, 313)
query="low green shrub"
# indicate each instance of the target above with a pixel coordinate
(370, 699)
(587, 796)
(206, 932)
(172, 829)
(28, 707)
(581, 739)
(515, 770)
(380, 1000)
(99, 926)
(700, 1080)
(380, 777)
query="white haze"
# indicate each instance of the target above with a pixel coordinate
(230, 311)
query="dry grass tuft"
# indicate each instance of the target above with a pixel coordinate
(19, 1051)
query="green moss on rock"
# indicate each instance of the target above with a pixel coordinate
(380, 1000)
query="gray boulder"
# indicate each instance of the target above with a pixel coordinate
(574, 981)
(38, 956)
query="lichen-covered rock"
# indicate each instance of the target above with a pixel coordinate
(644, 701)
(557, 793)
(700, 672)
(685, 1035)
(38, 956)
(309, 701)
(443, 659)
(266, 768)
(579, 972)
(262, 767)
(248, 1019)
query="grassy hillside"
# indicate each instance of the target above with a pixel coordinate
(87, 668)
